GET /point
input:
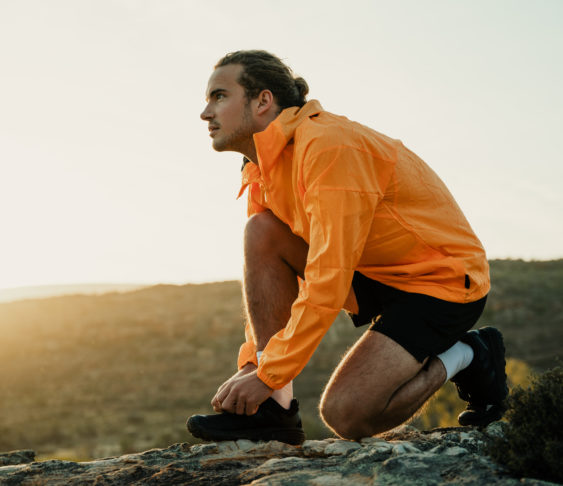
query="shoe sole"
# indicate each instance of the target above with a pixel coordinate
(292, 436)
(481, 419)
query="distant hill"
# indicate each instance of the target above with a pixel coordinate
(46, 291)
(526, 304)
(95, 375)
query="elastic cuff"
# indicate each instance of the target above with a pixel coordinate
(247, 354)
(267, 381)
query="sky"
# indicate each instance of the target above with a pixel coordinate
(107, 173)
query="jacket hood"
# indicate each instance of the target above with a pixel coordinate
(290, 118)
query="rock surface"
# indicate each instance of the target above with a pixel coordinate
(16, 457)
(403, 457)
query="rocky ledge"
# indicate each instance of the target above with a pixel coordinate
(404, 456)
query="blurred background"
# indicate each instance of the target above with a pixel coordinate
(87, 376)
(113, 204)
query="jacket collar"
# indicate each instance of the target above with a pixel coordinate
(271, 142)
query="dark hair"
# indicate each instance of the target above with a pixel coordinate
(262, 70)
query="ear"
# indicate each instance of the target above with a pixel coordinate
(266, 102)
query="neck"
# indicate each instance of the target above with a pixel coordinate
(250, 152)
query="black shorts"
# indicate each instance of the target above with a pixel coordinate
(423, 325)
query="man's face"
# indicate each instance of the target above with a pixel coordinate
(228, 112)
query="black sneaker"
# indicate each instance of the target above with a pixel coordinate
(483, 382)
(270, 422)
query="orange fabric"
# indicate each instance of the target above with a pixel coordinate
(362, 201)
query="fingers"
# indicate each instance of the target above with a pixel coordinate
(222, 392)
(216, 404)
(222, 387)
(251, 408)
(233, 401)
(230, 399)
(241, 395)
(220, 402)
(240, 406)
(216, 401)
(229, 403)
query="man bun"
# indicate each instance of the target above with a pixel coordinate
(262, 70)
(302, 89)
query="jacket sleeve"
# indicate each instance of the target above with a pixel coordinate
(342, 191)
(247, 351)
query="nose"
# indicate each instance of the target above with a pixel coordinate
(206, 114)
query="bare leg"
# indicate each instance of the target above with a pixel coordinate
(377, 386)
(412, 395)
(273, 258)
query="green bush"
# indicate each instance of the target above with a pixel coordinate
(533, 442)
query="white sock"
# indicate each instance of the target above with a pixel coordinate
(457, 358)
(284, 395)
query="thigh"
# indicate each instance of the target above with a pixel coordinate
(370, 373)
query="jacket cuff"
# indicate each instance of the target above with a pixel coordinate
(266, 380)
(247, 354)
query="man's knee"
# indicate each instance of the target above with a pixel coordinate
(262, 231)
(334, 415)
(265, 236)
(345, 417)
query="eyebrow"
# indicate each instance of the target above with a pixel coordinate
(215, 92)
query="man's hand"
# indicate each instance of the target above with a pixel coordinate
(247, 368)
(242, 393)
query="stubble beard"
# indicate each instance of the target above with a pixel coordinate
(240, 139)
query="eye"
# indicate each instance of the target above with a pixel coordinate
(219, 96)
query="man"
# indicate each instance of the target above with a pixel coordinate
(342, 216)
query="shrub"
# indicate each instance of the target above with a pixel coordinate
(533, 442)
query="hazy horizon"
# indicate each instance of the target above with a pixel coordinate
(12, 294)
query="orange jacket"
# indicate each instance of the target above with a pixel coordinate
(362, 201)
